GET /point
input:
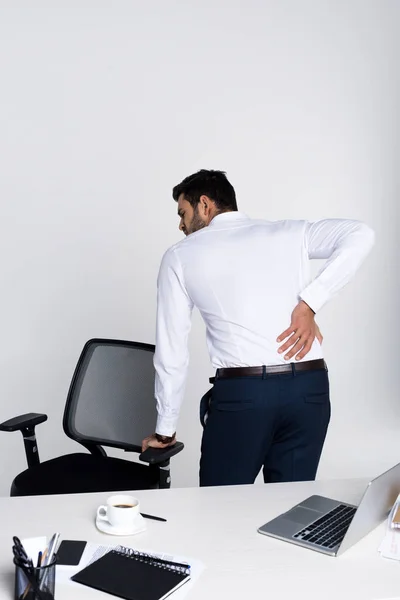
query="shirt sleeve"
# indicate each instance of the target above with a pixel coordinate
(345, 244)
(171, 359)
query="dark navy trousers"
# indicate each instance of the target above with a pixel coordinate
(277, 423)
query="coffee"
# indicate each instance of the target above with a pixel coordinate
(120, 519)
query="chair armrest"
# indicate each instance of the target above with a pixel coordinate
(154, 456)
(26, 425)
(23, 421)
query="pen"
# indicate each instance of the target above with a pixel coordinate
(39, 559)
(170, 562)
(43, 558)
(153, 517)
(50, 550)
(48, 557)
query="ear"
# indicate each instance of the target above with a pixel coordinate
(205, 205)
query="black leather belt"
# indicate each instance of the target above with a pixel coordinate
(307, 365)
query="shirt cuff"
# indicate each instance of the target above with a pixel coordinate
(166, 425)
(315, 295)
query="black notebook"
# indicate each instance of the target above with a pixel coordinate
(133, 575)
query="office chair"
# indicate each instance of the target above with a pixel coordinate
(110, 403)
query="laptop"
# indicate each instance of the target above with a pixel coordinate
(330, 526)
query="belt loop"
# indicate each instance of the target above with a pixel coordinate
(264, 374)
(217, 374)
(293, 369)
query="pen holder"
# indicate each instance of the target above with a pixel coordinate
(36, 583)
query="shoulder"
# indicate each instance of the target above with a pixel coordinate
(169, 257)
(175, 252)
(283, 225)
(172, 257)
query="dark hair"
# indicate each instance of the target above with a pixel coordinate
(213, 184)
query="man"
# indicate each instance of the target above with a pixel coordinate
(269, 407)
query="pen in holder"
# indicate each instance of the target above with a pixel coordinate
(394, 516)
(34, 583)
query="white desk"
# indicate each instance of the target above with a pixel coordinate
(219, 527)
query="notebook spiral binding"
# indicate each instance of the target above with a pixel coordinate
(151, 559)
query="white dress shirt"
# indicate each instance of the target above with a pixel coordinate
(245, 276)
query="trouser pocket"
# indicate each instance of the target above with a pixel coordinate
(204, 405)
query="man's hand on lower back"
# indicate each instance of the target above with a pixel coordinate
(152, 442)
(301, 333)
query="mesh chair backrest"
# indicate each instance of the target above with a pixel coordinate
(111, 398)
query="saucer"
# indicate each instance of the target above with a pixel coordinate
(137, 526)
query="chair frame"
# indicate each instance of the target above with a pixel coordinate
(93, 447)
(158, 458)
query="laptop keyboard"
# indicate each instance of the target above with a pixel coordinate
(329, 530)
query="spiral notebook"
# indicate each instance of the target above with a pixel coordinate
(133, 575)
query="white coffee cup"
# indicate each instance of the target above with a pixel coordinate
(121, 511)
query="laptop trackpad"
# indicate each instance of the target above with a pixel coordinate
(301, 515)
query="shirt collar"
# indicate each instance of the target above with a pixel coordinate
(227, 218)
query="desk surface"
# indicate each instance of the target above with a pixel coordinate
(219, 527)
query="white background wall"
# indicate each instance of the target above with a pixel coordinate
(104, 106)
